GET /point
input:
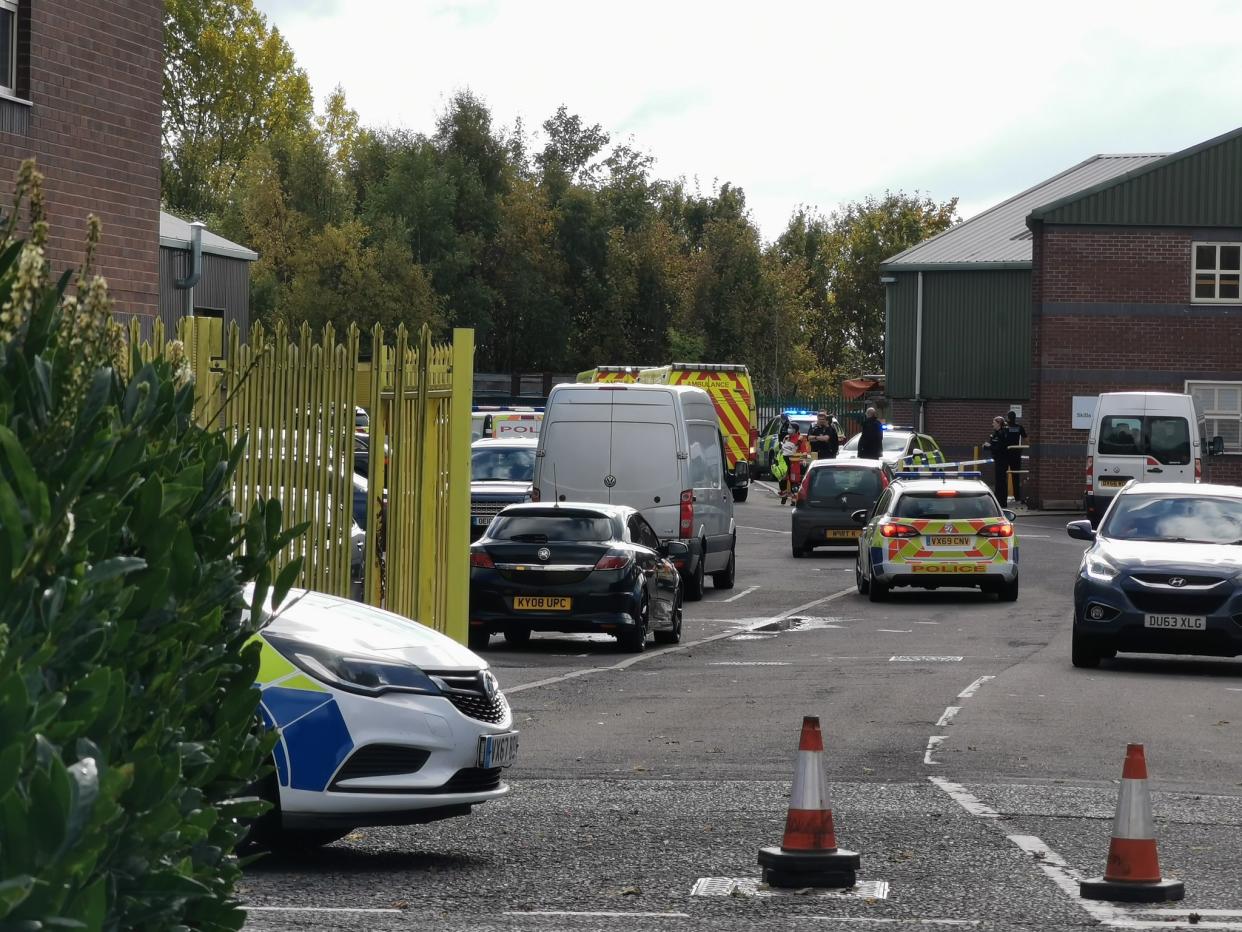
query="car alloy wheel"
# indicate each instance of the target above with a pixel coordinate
(634, 639)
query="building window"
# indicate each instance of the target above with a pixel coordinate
(1221, 404)
(8, 46)
(1218, 272)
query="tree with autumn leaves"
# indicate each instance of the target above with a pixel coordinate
(561, 255)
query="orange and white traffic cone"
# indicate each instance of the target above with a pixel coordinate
(1132, 874)
(808, 855)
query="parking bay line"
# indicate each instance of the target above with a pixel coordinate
(321, 909)
(766, 530)
(599, 914)
(649, 655)
(744, 592)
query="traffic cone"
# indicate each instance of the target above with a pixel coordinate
(1132, 874)
(808, 855)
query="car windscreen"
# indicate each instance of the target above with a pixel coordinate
(893, 442)
(564, 528)
(1164, 437)
(945, 506)
(835, 481)
(1175, 518)
(502, 465)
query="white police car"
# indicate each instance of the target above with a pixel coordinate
(382, 721)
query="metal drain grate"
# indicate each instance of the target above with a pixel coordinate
(753, 886)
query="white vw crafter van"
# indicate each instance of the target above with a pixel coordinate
(1144, 437)
(656, 448)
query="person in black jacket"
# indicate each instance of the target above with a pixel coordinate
(998, 446)
(871, 443)
(823, 437)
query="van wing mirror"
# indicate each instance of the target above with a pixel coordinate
(1080, 530)
(675, 549)
(1217, 446)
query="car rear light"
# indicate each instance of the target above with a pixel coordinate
(997, 530)
(1090, 474)
(898, 530)
(883, 480)
(534, 494)
(804, 490)
(946, 493)
(687, 513)
(754, 440)
(481, 560)
(612, 388)
(1198, 469)
(613, 561)
(1152, 461)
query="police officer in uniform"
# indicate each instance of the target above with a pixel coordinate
(1015, 445)
(998, 446)
(823, 437)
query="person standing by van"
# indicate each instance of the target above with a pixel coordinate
(998, 446)
(1015, 437)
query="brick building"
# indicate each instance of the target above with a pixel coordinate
(80, 91)
(1120, 273)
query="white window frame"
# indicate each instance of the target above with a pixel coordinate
(1195, 270)
(1217, 414)
(8, 82)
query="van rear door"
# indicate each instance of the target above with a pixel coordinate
(1170, 440)
(574, 446)
(646, 469)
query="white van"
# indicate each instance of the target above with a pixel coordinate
(656, 448)
(1144, 436)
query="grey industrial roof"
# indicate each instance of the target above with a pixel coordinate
(175, 233)
(998, 237)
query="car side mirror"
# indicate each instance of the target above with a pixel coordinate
(860, 516)
(1217, 446)
(1010, 516)
(917, 451)
(675, 549)
(1080, 530)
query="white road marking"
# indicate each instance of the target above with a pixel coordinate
(927, 622)
(965, 798)
(974, 687)
(750, 886)
(748, 663)
(766, 530)
(601, 914)
(948, 715)
(689, 645)
(320, 909)
(744, 592)
(1234, 689)
(894, 630)
(897, 922)
(915, 658)
(1026, 536)
(932, 743)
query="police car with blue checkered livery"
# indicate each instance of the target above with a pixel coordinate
(381, 721)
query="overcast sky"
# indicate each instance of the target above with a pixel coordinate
(801, 103)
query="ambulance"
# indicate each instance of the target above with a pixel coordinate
(626, 374)
(733, 395)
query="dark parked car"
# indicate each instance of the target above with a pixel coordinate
(1161, 575)
(574, 567)
(831, 492)
(501, 472)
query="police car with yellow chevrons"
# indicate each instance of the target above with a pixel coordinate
(937, 528)
(381, 721)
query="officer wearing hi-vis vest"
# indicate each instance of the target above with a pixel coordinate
(1015, 446)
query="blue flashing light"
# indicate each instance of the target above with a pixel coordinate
(799, 412)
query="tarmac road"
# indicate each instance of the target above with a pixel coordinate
(977, 779)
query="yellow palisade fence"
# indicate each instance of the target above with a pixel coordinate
(295, 400)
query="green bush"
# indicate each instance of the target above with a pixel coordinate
(126, 684)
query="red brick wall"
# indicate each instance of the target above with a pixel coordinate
(1115, 344)
(95, 85)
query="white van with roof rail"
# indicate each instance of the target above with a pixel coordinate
(656, 448)
(1143, 437)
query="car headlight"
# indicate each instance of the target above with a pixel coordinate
(1096, 567)
(353, 671)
